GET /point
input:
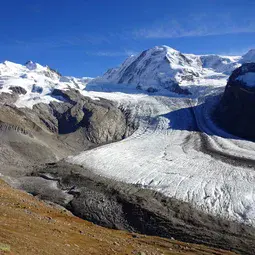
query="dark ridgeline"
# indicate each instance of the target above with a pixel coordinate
(236, 110)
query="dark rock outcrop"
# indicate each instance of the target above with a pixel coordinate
(236, 110)
(18, 90)
(37, 89)
(8, 98)
(102, 120)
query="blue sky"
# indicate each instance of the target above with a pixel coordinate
(86, 37)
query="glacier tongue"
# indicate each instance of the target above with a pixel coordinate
(177, 149)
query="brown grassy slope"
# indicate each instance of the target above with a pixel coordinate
(30, 226)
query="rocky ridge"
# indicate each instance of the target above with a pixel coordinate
(235, 112)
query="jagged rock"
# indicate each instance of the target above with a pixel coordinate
(18, 90)
(101, 120)
(8, 98)
(236, 110)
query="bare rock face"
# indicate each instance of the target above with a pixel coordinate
(18, 90)
(7, 98)
(101, 120)
(49, 132)
(236, 110)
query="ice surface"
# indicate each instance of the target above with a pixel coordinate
(177, 149)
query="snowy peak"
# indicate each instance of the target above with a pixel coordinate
(164, 50)
(158, 68)
(173, 57)
(8, 67)
(248, 57)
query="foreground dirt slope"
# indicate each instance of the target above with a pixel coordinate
(30, 226)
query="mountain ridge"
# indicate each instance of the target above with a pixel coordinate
(160, 68)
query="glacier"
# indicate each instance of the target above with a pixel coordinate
(177, 149)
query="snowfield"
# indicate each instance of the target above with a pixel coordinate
(177, 149)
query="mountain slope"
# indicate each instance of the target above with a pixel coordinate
(29, 226)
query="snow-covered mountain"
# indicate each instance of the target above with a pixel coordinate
(37, 82)
(165, 68)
